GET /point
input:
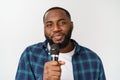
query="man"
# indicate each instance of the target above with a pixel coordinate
(75, 62)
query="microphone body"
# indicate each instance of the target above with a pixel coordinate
(54, 57)
(54, 52)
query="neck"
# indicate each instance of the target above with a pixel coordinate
(68, 48)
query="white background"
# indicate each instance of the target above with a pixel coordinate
(96, 26)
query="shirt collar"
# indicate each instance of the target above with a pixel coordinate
(77, 46)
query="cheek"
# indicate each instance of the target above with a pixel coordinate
(47, 33)
(68, 32)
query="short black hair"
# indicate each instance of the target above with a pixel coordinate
(53, 8)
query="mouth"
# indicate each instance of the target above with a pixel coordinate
(58, 38)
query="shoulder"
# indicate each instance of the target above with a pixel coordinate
(34, 49)
(86, 53)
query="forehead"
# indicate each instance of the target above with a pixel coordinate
(55, 14)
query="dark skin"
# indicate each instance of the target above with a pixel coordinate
(56, 26)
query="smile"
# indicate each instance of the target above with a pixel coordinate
(58, 37)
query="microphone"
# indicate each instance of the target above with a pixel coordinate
(54, 52)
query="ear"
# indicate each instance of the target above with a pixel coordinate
(71, 24)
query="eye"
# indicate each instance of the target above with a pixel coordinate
(48, 25)
(61, 23)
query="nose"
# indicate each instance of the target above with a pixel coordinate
(56, 28)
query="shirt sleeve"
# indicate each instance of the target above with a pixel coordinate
(24, 71)
(102, 73)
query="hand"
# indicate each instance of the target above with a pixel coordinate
(52, 70)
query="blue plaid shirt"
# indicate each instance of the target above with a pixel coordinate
(86, 64)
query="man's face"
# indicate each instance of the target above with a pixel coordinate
(57, 27)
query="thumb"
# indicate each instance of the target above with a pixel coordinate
(61, 62)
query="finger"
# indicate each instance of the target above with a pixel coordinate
(55, 68)
(61, 62)
(52, 63)
(54, 73)
(55, 78)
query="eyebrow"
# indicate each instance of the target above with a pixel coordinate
(58, 20)
(48, 22)
(62, 19)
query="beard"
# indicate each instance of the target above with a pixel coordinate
(62, 44)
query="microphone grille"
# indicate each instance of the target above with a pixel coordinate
(54, 49)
